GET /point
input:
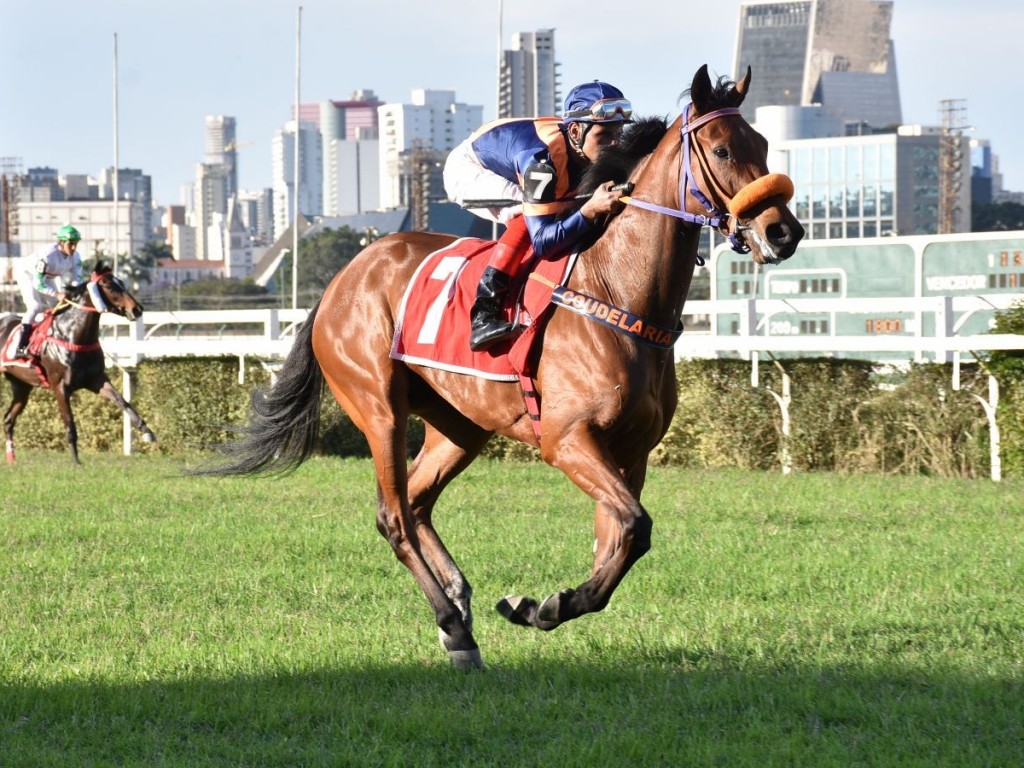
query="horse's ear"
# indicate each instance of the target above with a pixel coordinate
(700, 90)
(99, 267)
(739, 91)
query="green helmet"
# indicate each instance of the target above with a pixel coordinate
(67, 232)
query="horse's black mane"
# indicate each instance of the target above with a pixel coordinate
(616, 163)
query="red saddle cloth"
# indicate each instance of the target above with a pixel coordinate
(35, 345)
(432, 327)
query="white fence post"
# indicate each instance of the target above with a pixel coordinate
(126, 422)
(784, 400)
(990, 407)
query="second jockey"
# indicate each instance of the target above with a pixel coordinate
(44, 276)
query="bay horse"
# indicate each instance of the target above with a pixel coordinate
(606, 399)
(69, 358)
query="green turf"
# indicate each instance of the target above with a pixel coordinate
(147, 619)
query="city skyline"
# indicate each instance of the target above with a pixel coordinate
(181, 64)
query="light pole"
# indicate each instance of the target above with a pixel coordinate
(497, 104)
(295, 216)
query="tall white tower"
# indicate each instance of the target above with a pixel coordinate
(222, 149)
(310, 173)
(529, 84)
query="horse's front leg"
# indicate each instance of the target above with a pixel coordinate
(63, 395)
(108, 392)
(623, 535)
(20, 392)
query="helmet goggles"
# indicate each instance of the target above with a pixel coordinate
(603, 110)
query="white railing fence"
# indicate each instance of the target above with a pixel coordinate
(267, 335)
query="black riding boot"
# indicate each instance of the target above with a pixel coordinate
(26, 332)
(487, 325)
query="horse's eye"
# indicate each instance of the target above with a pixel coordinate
(722, 153)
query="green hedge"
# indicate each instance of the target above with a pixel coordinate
(845, 416)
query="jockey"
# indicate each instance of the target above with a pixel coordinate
(44, 276)
(539, 161)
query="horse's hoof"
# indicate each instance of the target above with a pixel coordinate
(518, 609)
(552, 611)
(466, 661)
(148, 437)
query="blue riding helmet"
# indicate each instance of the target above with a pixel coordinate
(597, 102)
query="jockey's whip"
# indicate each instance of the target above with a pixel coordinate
(626, 187)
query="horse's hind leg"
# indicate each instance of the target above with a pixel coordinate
(20, 392)
(108, 392)
(441, 459)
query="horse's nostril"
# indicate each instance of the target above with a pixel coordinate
(778, 234)
(782, 233)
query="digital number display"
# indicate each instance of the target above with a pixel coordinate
(883, 325)
(1011, 259)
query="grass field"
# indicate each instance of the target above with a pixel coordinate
(148, 619)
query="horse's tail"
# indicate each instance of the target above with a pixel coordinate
(284, 421)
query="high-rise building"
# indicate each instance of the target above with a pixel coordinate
(47, 200)
(351, 176)
(209, 202)
(222, 149)
(859, 186)
(529, 76)
(310, 176)
(349, 120)
(132, 184)
(38, 223)
(836, 53)
(349, 132)
(256, 209)
(418, 136)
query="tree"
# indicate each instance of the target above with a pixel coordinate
(223, 294)
(137, 270)
(997, 217)
(323, 254)
(1009, 320)
(700, 286)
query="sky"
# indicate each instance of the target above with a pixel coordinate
(181, 61)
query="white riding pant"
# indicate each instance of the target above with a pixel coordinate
(465, 178)
(35, 302)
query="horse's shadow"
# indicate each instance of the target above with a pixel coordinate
(686, 707)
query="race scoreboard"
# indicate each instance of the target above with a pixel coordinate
(976, 264)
